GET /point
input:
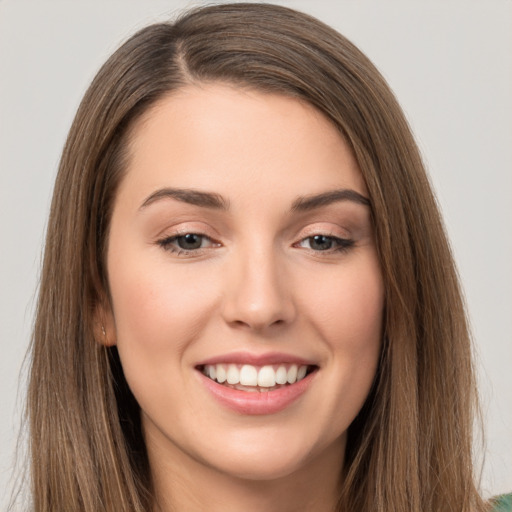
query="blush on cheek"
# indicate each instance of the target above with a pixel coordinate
(351, 312)
(157, 310)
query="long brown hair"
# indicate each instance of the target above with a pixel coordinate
(409, 449)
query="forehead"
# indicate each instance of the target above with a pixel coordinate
(233, 140)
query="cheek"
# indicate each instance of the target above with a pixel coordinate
(349, 318)
(347, 307)
(158, 311)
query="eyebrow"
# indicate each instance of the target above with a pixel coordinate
(217, 202)
(190, 196)
(306, 203)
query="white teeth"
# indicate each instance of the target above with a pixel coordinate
(301, 372)
(291, 376)
(264, 377)
(233, 374)
(221, 373)
(248, 375)
(281, 375)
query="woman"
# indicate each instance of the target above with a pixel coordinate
(259, 307)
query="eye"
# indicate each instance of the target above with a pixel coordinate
(187, 243)
(325, 243)
(190, 241)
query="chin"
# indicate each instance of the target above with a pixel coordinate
(261, 468)
(272, 456)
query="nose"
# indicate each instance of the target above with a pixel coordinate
(258, 295)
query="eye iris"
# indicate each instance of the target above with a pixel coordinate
(321, 243)
(189, 241)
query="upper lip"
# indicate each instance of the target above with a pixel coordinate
(256, 359)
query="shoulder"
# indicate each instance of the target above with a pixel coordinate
(502, 503)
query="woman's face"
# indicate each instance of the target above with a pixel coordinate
(241, 246)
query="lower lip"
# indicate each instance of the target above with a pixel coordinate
(256, 402)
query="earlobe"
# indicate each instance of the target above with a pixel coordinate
(104, 326)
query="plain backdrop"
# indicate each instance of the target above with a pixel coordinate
(448, 61)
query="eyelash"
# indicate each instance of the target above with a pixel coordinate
(167, 244)
(341, 244)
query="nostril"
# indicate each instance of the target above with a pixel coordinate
(257, 324)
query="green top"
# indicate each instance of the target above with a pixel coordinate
(502, 503)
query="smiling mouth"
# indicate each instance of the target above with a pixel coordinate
(247, 377)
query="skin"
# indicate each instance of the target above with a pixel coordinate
(256, 284)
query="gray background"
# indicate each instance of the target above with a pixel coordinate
(450, 64)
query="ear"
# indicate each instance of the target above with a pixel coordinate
(104, 325)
